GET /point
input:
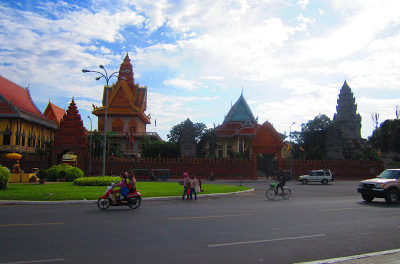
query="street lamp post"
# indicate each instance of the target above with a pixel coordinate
(107, 78)
(90, 148)
(290, 154)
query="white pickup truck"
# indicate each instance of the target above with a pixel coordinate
(322, 176)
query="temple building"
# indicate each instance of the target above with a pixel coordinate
(237, 130)
(126, 118)
(344, 138)
(23, 128)
(240, 135)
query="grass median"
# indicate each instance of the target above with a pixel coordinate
(66, 191)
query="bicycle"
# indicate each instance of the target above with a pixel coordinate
(272, 192)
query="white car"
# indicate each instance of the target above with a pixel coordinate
(322, 176)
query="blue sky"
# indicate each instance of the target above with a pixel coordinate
(290, 57)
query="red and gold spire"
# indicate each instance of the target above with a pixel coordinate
(126, 73)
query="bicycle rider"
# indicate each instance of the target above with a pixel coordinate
(282, 182)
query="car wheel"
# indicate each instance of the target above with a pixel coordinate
(367, 197)
(392, 196)
(324, 181)
(304, 181)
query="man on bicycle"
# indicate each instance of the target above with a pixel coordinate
(282, 182)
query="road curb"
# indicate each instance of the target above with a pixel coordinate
(15, 202)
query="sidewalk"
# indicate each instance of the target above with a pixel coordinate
(381, 257)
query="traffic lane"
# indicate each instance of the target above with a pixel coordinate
(151, 231)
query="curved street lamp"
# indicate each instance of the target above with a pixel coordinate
(107, 78)
(290, 154)
(90, 149)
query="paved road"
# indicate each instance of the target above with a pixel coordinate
(318, 222)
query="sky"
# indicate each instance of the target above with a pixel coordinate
(289, 58)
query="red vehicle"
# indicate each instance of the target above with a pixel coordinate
(132, 199)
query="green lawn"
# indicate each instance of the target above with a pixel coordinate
(68, 191)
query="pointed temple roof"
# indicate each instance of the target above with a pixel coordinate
(240, 112)
(17, 101)
(71, 131)
(54, 112)
(239, 121)
(346, 108)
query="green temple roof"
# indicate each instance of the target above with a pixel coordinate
(240, 112)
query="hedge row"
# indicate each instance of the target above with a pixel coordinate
(62, 171)
(96, 181)
(4, 177)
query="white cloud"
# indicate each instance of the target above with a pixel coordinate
(303, 3)
(185, 84)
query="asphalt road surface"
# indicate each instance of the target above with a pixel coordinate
(318, 222)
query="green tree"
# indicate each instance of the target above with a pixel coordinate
(313, 135)
(157, 148)
(207, 145)
(387, 136)
(175, 133)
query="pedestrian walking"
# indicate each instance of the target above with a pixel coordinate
(186, 185)
(194, 183)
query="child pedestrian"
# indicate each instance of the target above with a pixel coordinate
(193, 184)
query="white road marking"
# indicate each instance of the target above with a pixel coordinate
(266, 240)
(203, 217)
(339, 209)
(34, 261)
(32, 224)
(335, 260)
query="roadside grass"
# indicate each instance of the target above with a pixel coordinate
(66, 191)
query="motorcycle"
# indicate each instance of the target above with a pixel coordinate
(132, 199)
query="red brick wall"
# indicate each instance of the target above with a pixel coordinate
(201, 167)
(341, 169)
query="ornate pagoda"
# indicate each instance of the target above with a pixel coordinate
(71, 137)
(126, 117)
(344, 138)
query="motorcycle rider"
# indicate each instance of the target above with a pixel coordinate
(122, 184)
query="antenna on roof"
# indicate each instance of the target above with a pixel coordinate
(242, 89)
(27, 87)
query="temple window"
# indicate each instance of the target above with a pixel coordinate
(117, 125)
(29, 139)
(17, 138)
(23, 139)
(132, 126)
(219, 151)
(6, 136)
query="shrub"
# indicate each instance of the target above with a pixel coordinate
(42, 174)
(4, 177)
(96, 181)
(70, 173)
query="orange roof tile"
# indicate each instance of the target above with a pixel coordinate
(18, 96)
(57, 111)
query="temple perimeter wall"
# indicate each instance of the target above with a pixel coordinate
(223, 169)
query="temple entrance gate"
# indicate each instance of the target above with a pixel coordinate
(268, 143)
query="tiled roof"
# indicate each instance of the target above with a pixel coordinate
(18, 96)
(240, 112)
(57, 111)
